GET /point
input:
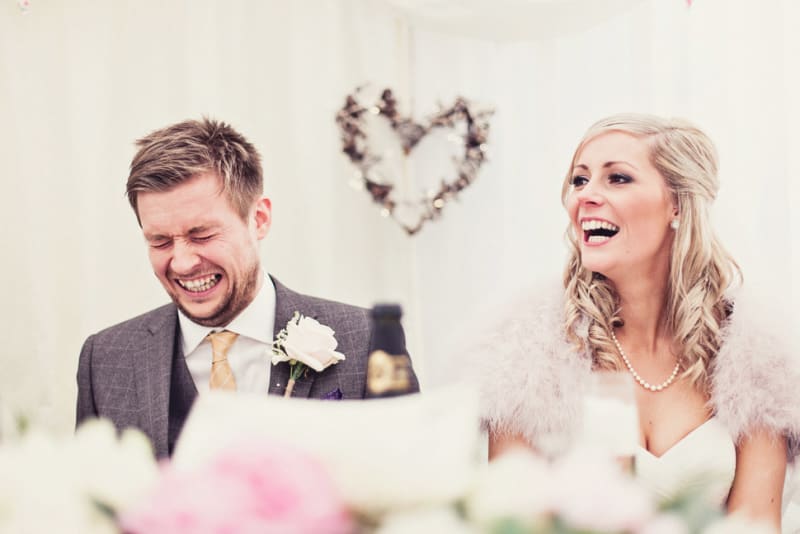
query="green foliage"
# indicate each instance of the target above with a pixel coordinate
(692, 506)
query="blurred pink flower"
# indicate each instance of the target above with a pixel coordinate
(590, 491)
(254, 487)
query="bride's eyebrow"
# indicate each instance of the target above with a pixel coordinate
(608, 164)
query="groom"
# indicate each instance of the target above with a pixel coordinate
(196, 189)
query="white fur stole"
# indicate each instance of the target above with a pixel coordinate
(531, 381)
(755, 379)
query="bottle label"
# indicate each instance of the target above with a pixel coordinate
(387, 373)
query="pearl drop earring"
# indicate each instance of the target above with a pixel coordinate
(674, 223)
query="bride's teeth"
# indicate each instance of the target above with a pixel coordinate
(597, 238)
(597, 225)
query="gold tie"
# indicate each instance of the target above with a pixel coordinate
(221, 373)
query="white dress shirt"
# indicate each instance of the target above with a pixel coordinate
(250, 355)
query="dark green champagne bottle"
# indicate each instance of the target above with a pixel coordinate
(389, 371)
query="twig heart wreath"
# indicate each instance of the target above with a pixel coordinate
(352, 122)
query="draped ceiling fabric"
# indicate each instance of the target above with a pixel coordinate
(80, 80)
(508, 20)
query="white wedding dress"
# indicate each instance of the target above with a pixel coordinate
(704, 459)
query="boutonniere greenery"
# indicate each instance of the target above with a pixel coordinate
(304, 343)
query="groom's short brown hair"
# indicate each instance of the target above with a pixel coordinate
(173, 155)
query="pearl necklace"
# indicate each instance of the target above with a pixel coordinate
(645, 384)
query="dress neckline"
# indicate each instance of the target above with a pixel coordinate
(677, 444)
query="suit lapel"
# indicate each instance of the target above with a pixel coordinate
(152, 374)
(286, 303)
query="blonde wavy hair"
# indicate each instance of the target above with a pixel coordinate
(700, 268)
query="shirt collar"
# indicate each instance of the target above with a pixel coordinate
(256, 321)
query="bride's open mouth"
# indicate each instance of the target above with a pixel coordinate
(596, 231)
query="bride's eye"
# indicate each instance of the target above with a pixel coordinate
(578, 181)
(619, 178)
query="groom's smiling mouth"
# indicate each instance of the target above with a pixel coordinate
(200, 284)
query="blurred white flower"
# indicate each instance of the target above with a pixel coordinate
(425, 521)
(116, 472)
(515, 485)
(40, 491)
(665, 524)
(52, 484)
(736, 524)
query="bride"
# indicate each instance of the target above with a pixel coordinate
(647, 290)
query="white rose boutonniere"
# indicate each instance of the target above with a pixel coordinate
(304, 343)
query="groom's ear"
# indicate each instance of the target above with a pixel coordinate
(262, 216)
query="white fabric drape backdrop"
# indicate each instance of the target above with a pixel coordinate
(730, 66)
(80, 80)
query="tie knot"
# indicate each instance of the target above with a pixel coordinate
(220, 343)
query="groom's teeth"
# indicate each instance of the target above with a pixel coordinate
(199, 285)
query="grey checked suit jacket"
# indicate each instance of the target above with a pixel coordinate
(125, 372)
